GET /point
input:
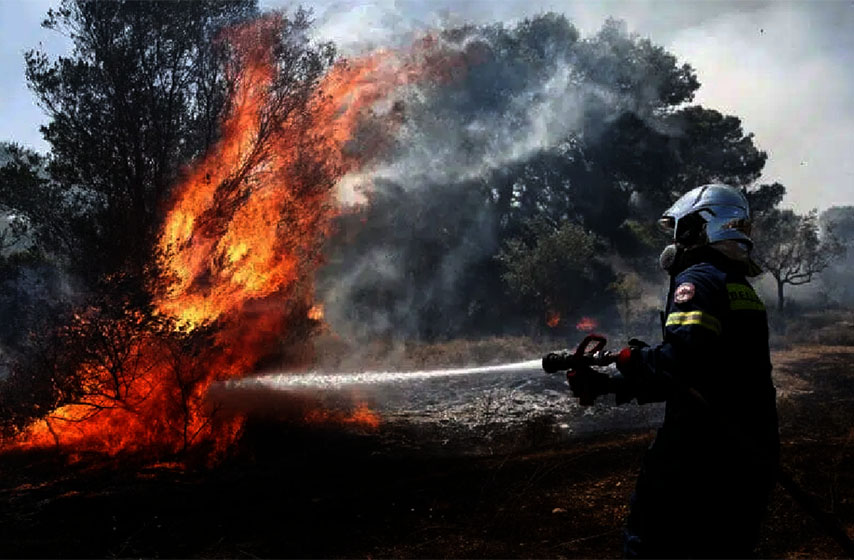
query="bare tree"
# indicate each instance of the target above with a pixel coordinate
(790, 249)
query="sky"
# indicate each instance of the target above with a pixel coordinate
(785, 68)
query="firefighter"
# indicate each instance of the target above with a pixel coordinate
(706, 479)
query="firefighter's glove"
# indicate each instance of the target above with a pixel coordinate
(587, 384)
(637, 343)
(625, 357)
(626, 364)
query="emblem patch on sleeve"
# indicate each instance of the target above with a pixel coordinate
(684, 292)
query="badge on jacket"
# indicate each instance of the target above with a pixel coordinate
(684, 292)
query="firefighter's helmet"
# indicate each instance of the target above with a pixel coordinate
(708, 214)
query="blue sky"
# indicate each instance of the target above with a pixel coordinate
(785, 68)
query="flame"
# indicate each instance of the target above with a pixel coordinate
(240, 242)
(316, 312)
(362, 416)
(586, 324)
(552, 318)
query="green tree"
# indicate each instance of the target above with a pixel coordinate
(140, 95)
(554, 272)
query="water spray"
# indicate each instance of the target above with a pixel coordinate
(336, 381)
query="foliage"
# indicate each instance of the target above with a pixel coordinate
(765, 198)
(555, 270)
(21, 183)
(101, 359)
(788, 246)
(141, 93)
(647, 76)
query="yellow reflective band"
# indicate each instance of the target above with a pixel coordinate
(743, 298)
(694, 318)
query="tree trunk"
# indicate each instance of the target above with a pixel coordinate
(780, 296)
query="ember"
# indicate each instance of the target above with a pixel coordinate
(362, 416)
(586, 324)
(316, 312)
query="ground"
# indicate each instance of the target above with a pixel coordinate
(296, 491)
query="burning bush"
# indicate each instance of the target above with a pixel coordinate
(233, 266)
(230, 280)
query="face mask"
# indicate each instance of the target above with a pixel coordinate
(669, 256)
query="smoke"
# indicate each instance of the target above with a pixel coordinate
(446, 139)
(430, 227)
(784, 67)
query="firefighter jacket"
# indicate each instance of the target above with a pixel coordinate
(715, 343)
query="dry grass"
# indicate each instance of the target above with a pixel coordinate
(829, 327)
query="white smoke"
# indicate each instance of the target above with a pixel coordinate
(448, 150)
(784, 68)
(449, 137)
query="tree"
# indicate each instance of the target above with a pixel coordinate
(555, 271)
(765, 198)
(141, 94)
(645, 77)
(145, 90)
(790, 249)
(20, 183)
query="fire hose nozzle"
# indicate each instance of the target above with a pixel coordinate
(560, 360)
(563, 360)
(589, 353)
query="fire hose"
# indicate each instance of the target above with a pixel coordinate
(585, 381)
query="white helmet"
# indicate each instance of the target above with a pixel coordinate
(708, 214)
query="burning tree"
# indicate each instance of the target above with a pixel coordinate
(142, 93)
(206, 274)
(137, 360)
(130, 368)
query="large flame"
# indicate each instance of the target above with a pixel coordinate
(239, 244)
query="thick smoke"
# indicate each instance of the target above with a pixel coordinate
(404, 264)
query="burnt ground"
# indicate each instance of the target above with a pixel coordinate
(293, 491)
